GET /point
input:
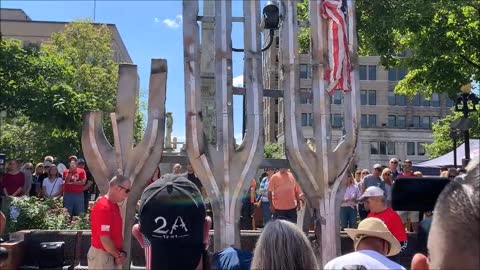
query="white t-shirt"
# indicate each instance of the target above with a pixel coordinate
(367, 258)
(52, 188)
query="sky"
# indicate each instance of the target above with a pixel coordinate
(149, 29)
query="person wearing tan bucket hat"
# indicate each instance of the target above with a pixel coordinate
(372, 242)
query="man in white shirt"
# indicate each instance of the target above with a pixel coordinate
(372, 243)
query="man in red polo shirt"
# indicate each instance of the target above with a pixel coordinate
(74, 178)
(374, 199)
(106, 223)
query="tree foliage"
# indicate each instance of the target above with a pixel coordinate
(442, 142)
(46, 90)
(273, 150)
(439, 41)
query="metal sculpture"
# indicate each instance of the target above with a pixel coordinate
(319, 169)
(135, 161)
(225, 171)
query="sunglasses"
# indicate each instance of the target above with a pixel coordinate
(394, 162)
(387, 174)
(364, 172)
(127, 190)
(452, 176)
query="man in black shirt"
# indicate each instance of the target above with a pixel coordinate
(190, 175)
(88, 183)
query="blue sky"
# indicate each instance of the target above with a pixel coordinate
(149, 29)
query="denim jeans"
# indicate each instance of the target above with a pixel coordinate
(267, 215)
(74, 203)
(348, 217)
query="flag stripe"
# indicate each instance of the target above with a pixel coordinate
(338, 68)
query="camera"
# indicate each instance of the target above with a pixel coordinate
(271, 16)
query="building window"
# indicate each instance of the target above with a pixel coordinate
(396, 74)
(401, 121)
(303, 71)
(425, 102)
(416, 100)
(307, 119)
(435, 100)
(374, 148)
(276, 117)
(372, 97)
(410, 148)
(426, 122)
(363, 121)
(435, 119)
(277, 42)
(306, 96)
(420, 149)
(372, 73)
(337, 121)
(391, 121)
(391, 98)
(450, 102)
(337, 97)
(276, 58)
(363, 97)
(362, 72)
(401, 100)
(383, 148)
(391, 148)
(372, 121)
(277, 81)
(276, 101)
(415, 121)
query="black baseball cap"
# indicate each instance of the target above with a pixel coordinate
(172, 216)
(81, 161)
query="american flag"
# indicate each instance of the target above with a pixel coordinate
(338, 70)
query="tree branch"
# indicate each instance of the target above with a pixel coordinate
(475, 65)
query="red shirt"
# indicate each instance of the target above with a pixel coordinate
(106, 220)
(411, 174)
(393, 222)
(11, 182)
(78, 175)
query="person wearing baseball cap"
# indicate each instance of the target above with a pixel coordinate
(372, 242)
(374, 200)
(173, 219)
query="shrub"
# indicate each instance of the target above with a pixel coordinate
(29, 213)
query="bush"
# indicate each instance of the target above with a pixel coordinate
(29, 213)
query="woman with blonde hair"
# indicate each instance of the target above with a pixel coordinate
(52, 185)
(387, 177)
(283, 246)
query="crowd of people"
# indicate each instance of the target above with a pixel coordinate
(173, 222)
(49, 179)
(173, 228)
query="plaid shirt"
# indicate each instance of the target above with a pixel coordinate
(263, 190)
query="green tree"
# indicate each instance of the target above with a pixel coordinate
(47, 91)
(442, 142)
(273, 150)
(439, 41)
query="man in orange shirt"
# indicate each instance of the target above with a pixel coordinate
(284, 196)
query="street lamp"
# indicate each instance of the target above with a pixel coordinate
(455, 135)
(463, 100)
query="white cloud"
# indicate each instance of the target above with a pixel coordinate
(156, 20)
(172, 23)
(238, 81)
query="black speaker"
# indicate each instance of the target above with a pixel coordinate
(51, 255)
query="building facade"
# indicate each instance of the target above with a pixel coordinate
(15, 23)
(391, 125)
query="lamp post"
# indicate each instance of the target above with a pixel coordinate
(463, 100)
(455, 135)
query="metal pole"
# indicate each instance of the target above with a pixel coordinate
(454, 137)
(466, 133)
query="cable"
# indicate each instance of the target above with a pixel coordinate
(270, 41)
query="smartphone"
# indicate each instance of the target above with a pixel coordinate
(417, 194)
